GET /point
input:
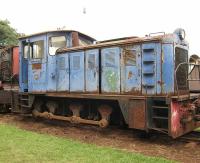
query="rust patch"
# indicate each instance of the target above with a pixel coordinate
(75, 39)
(137, 114)
(181, 111)
(36, 66)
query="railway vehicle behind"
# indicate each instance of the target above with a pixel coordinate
(139, 82)
(9, 75)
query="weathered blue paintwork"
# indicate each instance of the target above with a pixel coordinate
(131, 72)
(151, 68)
(52, 74)
(77, 72)
(167, 68)
(102, 69)
(110, 67)
(37, 77)
(62, 65)
(23, 70)
(92, 70)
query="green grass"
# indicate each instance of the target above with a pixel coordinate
(17, 145)
(198, 129)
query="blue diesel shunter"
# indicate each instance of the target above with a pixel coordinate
(141, 82)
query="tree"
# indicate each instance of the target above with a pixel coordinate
(8, 35)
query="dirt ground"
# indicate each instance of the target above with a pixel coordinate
(156, 145)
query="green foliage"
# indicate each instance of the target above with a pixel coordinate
(17, 145)
(8, 35)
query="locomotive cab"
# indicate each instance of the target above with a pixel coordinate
(38, 61)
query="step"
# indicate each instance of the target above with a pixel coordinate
(158, 129)
(25, 106)
(159, 117)
(160, 107)
(24, 99)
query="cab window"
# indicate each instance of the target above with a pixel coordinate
(55, 43)
(38, 50)
(27, 51)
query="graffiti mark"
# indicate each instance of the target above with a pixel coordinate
(111, 79)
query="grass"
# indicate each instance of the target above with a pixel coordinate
(198, 129)
(17, 145)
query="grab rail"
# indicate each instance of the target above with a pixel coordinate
(175, 75)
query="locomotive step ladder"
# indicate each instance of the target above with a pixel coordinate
(24, 103)
(159, 115)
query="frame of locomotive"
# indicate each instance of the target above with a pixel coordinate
(140, 82)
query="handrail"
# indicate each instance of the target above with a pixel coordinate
(183, 63)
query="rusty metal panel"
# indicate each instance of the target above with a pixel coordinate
(131, 69)
(5, 63)
(5, 97)
(75, 39)
(15, 61)
(180, 112)
(36, 66)
(137, 114)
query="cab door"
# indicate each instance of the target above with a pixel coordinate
(37, 64)
(110, 67)
(55, 41)
(24, 53)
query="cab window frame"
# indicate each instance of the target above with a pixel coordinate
(26, 52)
(32, 56)
(49, 43)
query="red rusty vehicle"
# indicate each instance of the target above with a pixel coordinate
(9, 74)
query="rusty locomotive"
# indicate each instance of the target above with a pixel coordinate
(139, 82)
(9, 75)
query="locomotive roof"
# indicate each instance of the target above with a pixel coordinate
(45, 32)
(128, 40)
